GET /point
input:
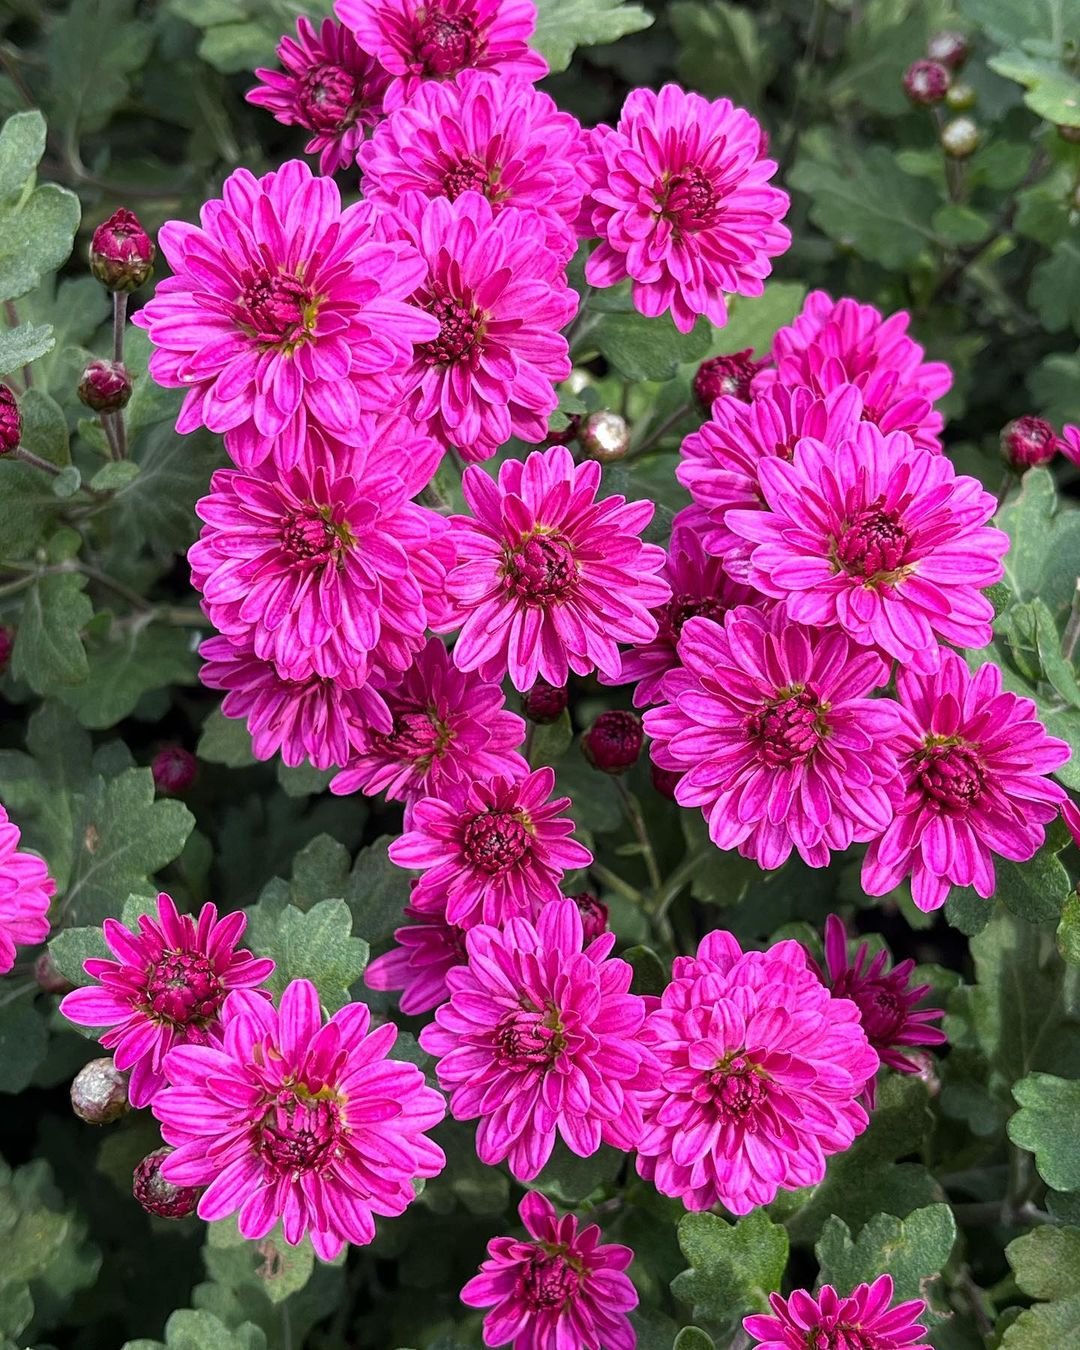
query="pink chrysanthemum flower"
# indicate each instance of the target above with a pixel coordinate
(777, 738)
(563, 1289)
(549, 579)
(446, 729)
(428, 948)
(885, 1001)
(329, 86)
(499, 852)
(761, 1072)
(500, 296)
(861, 1320)
(482, 133)
(539, 1039)
(165, 988)
(25, 891)
(974, 760)
(291, 1119)
(878, 537)
(283, 311)
(679, 195)
(417, 41)
(1069, 444)
(832, 343)
(315, 563)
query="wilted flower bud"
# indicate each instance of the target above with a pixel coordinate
(926, 82)
(158, 1196)
(960, 137)
(49, 978)
(605, 436)
(961, 97)
(99, 1092)
(105, 386)
(10, 421)
(594, 914)
(720, 375)
(1028, 441)
(613, 742)
(952, 49)
(665, 781)
(544, 702)
(7, 644)
(569, 432)
(121, 252)
(174, 769)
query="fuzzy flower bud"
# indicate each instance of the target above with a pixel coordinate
(926, 82)
(49, 978)
(960, 137)
(952, 49)
(10, 421)
(613, 742)
(544, 702)
(105, 386)
(121, 252)
(594, 914)
(961, 97)
(174, 769)
(99, 1092)
(1028, 441)
(720, 375)
(158, 1196)
(605, 436)
(7, 644)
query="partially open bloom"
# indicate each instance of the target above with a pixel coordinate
(329, 86)
(563, 1288)
(540, 1038)
(25, 891)
(287, 1118)
(158, 1196)
(679, 195)
(427, 948)
(878, 537)
(105, 386)
(730, 375)
(761, 1072)
(549, 579)
(777, 738)
(121, 252)
(861, 1320)
(974, 760)
(498, 852)
(166, 987)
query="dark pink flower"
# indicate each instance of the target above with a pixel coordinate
(729, 375)
(1069, 445)
(25, 891)
(428, 948)
(165, 988)
(974, 761)
(121, 252)
(1070, 814)
(10, 421)
(564, 1290)
(291, 1119)
(861, 1320)
(1027, 442)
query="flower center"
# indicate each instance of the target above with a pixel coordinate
(327, 98)
(525, 1037)
(950, 772)
(495, 841)
(735, 1086)
(184, 989)
(298, 1133)
(467, 174)
(278, 311)
(458, 334)
(882, 1013)
(549, 1281)
(541, 568)
(682, 607)
(789, 730)
(687, 200)
(841, 1337)
(446, 43)
(417, 737)
(872, 545)
(310, 538)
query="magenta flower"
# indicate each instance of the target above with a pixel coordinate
(1070, 814)
(445, 729)
(497, 853)
(861, 1319)
(1069, 444)
(878, 537)
(540, 1038)
(549, 579)
(832, 343)
(974, 761)
(761, 1071)
(679, 195)
(416, 41)
(428, 947)
(25, 891)
(290, 1118)
(329, 86)
(482, 133)
(166, 988)
(884, 999)
(564, 1290)
(777, 738)
(283, 311)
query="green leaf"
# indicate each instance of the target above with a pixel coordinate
(912, 1250)
(92, 52)
(24, 1041)
(1048, 1125)
(187, 1329)
(563, 25)
(35, 238)
(27, 505)
(1046, 1264)
(1068, 931)
(49, 650)
(377, 892)
(320, 871)
(157, 509)
(22, 144)
(19, 346)
(67, 482)
(693, 1338)
(225, 740)
(551, 741)
(753, 321)
(316, 946)
(733, 1267)
(1051, 91)
(721, 52)
(1055, 285)
(271, 1265)
(648, 349)
(44, 429)
(650, 974)
(1043, 560)
(1035, 890)
(115, 475)
(568, 1179)
(73, 946)
(126, 663)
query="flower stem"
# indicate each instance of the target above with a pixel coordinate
(656, 436)
(120, 303)
(1072, 629)
(1003, 491)
(615, 883)
(641, 833)
(28, 457)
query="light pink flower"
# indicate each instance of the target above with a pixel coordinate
(777, 738)
(166, 988)
(549, 579)
(564, 1290)
(679, 195)
(428, 948)
(879, 537)
(761, 1071)
(499, 852)
(974, 760)
(291, 1119)
(860, 1319)
(283, 311)
(329, 86)
(25, 891)
(540, 1039)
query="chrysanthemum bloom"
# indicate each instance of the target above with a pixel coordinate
(487, 134)
(843, 342)
(1070, 814)
(498, 852)
(165, 988)
(564, 1288)
(418, 41)
(974, 760)
(25, 891)
(329, 86)
(679, 195)
(777, 738)
(861, 1320)
(761, 1072)
(428, 947)
(283, 310)
(540, 1038)
(290, 1119)
(499, 295)
(879, 537)
(1069, 445)
(446, 730)
(549, 579)
(315, 563)
(884, 999)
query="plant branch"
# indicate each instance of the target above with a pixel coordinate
(656, 436)
(641, 833)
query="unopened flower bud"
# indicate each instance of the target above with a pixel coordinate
(10, 421)
(569, 432)
(665, 781)
(613, 742)
(121, 252)
(960, 137)
(719, 375)
(544, 702)
(594, 914)
(105, 386)
(926, 82)
(961, 97)
(7, 645)
(99, 1092)
(952, 49)
(605, 436)
(158, 1196)
(1028, 441)
(49, 978)
(174, 769)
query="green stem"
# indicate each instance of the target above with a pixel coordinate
(28, 457)
(673, 885)
(655, 437)
(641, 833)
(15, 993)
(615, 883)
